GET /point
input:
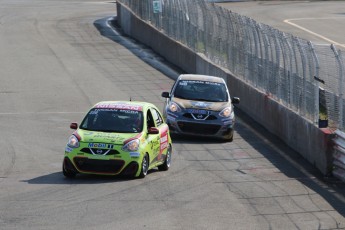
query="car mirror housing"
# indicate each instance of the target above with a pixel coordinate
(235, 100)
(166, 94)
(73, 125)
(153, 130)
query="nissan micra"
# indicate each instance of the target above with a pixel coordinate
(200, 105)
(118, 138)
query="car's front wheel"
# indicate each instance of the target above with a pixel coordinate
(67, 172)
(167, 162)
(229, 138)
(144, 166)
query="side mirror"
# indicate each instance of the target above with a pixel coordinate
(73, 125)
(235, 100)
(153, 130)
(166, 94)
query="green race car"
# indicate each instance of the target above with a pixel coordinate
(118, 138)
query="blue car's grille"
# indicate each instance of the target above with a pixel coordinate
(200, 116)
(198, 128)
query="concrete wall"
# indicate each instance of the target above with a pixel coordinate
(173, 51)
(312, 143)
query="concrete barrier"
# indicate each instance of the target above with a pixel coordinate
(306, 138)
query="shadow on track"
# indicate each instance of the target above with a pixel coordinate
(58, 178)
(290, 162)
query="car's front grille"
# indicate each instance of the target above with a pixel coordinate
(96, 151)
(197, 128)
(200, 117)
(98, 166)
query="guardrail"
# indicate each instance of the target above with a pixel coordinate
(339, 155)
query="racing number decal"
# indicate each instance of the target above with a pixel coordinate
(163, 142)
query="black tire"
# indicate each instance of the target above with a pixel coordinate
(144, 166)
(167, 162)
(229, 138)
(68, 173)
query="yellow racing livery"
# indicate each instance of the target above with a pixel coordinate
(118, 138)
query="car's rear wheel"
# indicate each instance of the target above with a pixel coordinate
(167, 162)
(144, 166)
(68, 172)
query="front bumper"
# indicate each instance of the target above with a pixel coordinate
(214, 126)
(100, 167)
(122, 163)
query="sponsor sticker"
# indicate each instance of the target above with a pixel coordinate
(68, 149)
(185, 82)
(171, 118)
(134, 154)
(227, 121)
(119, 106)
(101, 146)
(198, 111)
(201, 104)
(163, 140)
(88, 133)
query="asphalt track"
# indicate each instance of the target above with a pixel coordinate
(56, 61)
(321, 22)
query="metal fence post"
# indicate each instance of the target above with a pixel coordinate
(256, 65)
(264, 58)
(283, 89)
(247, 47)
(291, 74)
(341, 85)
(340, 89)
(277, 67)
(304, 77)
(317, 85)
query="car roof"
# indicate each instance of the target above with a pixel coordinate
(131, 105)
(201, 78)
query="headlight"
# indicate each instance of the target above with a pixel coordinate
(173, 107)
(131, 145)
(226, 112)
(73, 142)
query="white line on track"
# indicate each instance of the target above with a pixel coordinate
(288, 21)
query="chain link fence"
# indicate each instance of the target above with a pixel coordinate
(304, 77)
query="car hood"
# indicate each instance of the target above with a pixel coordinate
(190, 104)
(105, 137)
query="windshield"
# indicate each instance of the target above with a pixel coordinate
(201, 91)
(113, 120)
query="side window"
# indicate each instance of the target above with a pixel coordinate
(150, 121)
(173, 87)
(156, 117)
